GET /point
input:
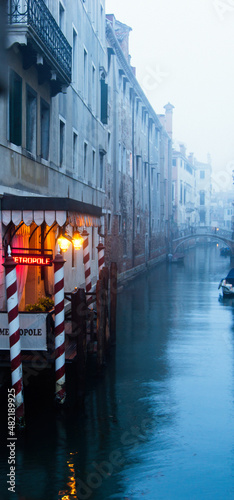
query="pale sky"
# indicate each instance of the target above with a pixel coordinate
(183, 51)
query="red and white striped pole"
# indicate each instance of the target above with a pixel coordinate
(87, 269)
(14, 336)
(60, 391)
(101, 257)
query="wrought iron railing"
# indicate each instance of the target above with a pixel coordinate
(34, 13)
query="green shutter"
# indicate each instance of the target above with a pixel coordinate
(104, 101)
(15, 108)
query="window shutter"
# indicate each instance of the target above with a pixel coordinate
(104, 101)
(15, 105)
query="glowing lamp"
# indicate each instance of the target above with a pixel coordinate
(77, 240)
(64, 243)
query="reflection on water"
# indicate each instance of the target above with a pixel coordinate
(159, 424)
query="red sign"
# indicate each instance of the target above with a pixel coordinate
(32, 259)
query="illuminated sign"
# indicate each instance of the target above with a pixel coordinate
(32, 331)
(32, 259)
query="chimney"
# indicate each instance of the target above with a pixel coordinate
(122, 34)
(183, 149)
(191, 158)
(168, 116)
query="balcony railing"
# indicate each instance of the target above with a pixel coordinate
(36, 16)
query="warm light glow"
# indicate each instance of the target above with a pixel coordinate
(217, 244)
(64, 243)
(77, 240)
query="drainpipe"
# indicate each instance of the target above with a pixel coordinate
(149, 187)
(133, 179)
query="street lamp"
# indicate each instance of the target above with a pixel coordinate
(64, 240)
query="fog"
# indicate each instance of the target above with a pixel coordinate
(183, 51)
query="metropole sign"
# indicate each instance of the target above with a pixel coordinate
(32, 259)
(27, 258)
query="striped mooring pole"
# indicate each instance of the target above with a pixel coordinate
(60, 390)
(14, 336)
(101, 257)
(87, 269)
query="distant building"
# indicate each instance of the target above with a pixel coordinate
(203, 192)
(222, 210)
(183, 189)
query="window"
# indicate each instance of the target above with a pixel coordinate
(61, 17)
(15, 109)
(93, 89)
(104, 102)
(138, 159)
(124, 159)
(31, 120)
(61, 142)
(74, 57)
(85, 75)
(93, 164)
(85, 159)
(173, 191)
(109, 148)
(181, 192)
(130, 164)
(174, 162)
(86, 80)
(158, 181)
(101, 22)
(101, 159)
(124, 89)
(156, 137)
(202, 216)
(75, 152)
(120, 157)
(202, 174)
(202, 198)
(145, 170)
(152, 178)
(45, 129)
(120, 223)
(109, 223)
(138, 224)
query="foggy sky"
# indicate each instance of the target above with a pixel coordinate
(183, 51)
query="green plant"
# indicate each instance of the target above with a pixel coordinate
(44, 304)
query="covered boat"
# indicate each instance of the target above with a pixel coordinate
(227, 284)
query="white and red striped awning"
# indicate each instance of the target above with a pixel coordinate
(19, 209)
(37, 216)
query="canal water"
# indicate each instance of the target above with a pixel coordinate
(159, 424)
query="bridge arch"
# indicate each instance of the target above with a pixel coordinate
(179, 241)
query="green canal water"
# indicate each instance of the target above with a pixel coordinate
(159, 423)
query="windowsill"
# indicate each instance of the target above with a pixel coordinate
(44, 162)
(29, 155)
(13, 147)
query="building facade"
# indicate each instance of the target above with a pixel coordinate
(52, 134)
(138, 164)
(80, 146)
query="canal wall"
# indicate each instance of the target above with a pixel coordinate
(126, 276)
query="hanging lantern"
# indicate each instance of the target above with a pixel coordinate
(63, 242)
(77, 240)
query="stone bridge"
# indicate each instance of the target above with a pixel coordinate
(223, 235)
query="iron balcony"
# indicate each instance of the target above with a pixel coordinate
(32, 26)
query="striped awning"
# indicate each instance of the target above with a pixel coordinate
(37, 216)
(19, 209)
